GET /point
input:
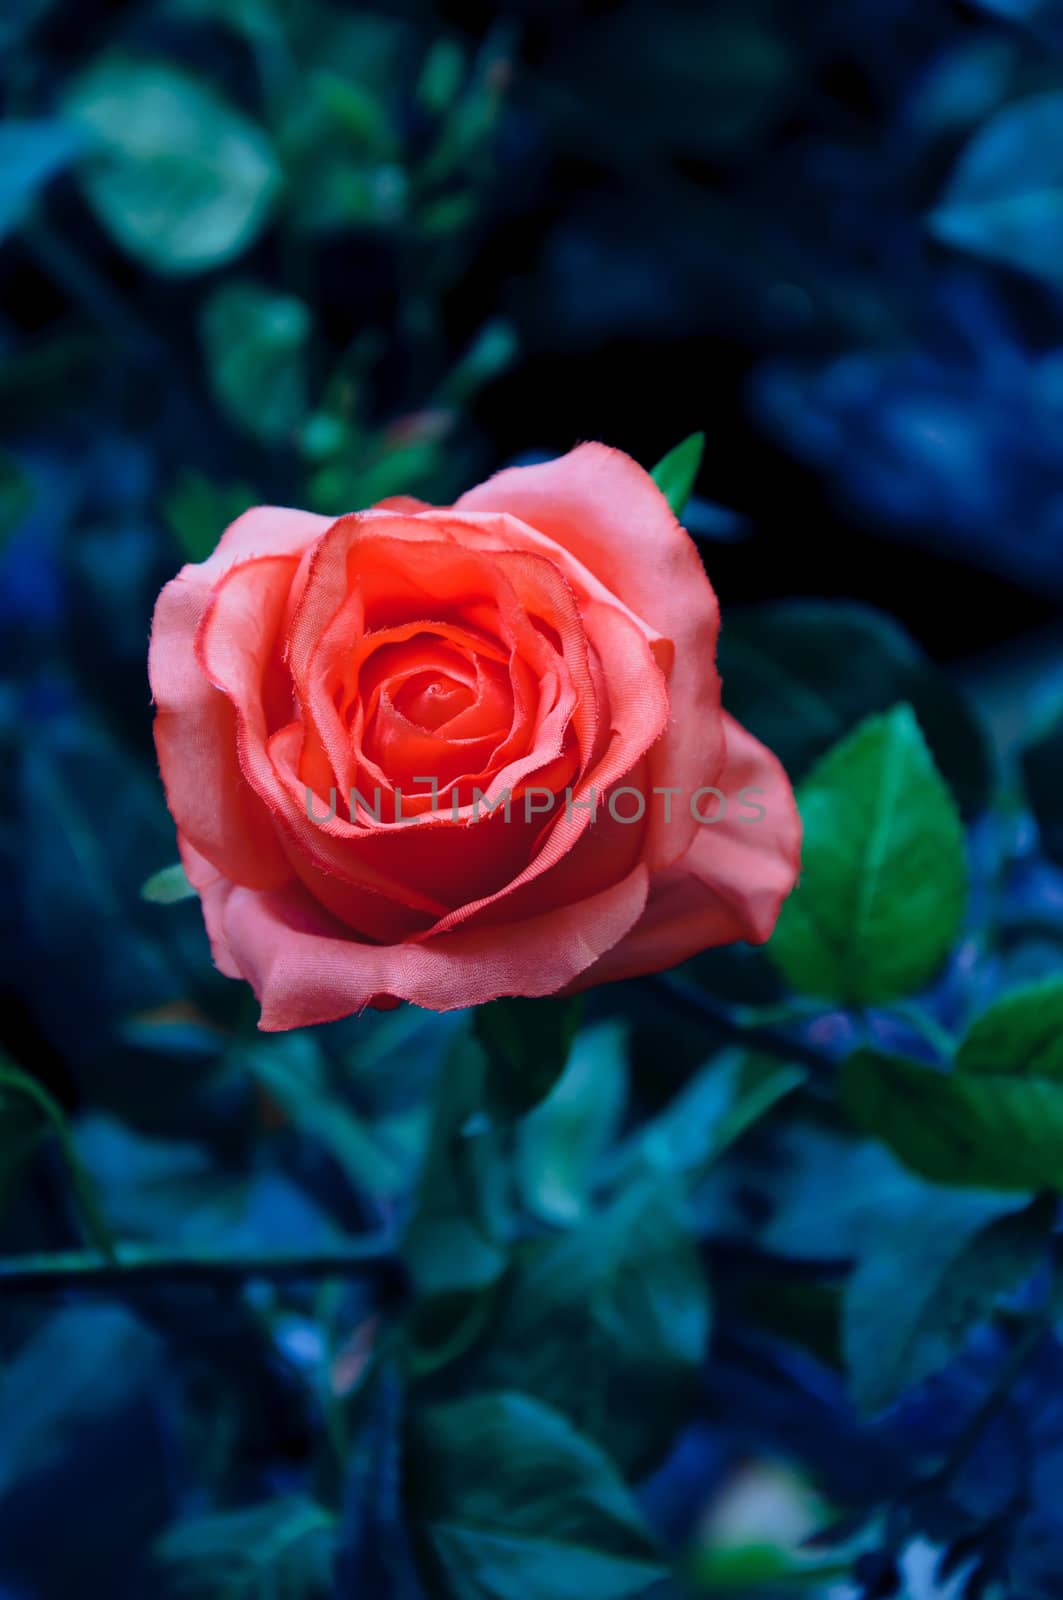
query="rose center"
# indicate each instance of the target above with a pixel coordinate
(430, 698)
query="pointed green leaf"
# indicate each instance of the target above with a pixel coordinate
(984, 1126)
(514, 1504)
(167, 886)
(676, 473)
(1021, 1034)
(921, 1290)
(883, 877)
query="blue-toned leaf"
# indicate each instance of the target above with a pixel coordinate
(1005, 199)
(31, 154)
(514, 1504)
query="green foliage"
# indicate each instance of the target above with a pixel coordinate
(918, 1293)
(31, 154)
(527, 1043)
(16, 495)
(182, 180)
(995, 1120)
(610, 1322)
(514, 1504)
(1003, 200)
(168, 886)
(884, 882)
(256, 343)
(780, 665)
(676, 473)
(198, 512)
(18, 1135)
(451, 1243)
(280, 1550)
(563, 1139)
(729, 1095)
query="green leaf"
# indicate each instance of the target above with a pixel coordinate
(256, 344)
(31, 154)
(279, 1550)
(1042, 766)
(561, 1142)
(1004, 201)
(513, 1504)
(168, 886)
(729, 1095)
(884, 881)
(995, 1122)
(527, 1043)
(17, 1089)
(936, 1272)
(294, 1070)
(181, 179)
(451, 1244)
(610, 1323)
(16, 495)
(1022, 1034)
(676, 473)
(780, 664)
(197, 512)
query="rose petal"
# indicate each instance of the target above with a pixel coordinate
(731, 884)
(603, 507)
(305, 969)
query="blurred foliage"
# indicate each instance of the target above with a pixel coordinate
(737, 1281)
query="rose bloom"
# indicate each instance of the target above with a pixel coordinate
(335, 697)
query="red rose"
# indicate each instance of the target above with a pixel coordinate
(339, 703)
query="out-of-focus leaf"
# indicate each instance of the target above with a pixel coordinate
(256, 343)
(610, 1322)
(780, 663)
(19, 1087)
(292, 1068)
(492, 351)
(513, 1504)
(527, 1044)
(996, 1120)
(168, 886)
(176, 1192)
(1042, 765)
(728, 1096)
(280, 1550)
(1021, 1034)
(181, 179)
(198, 512)
(561, 1140)
(451, 1244)
(1004, 201)
(883, 873)
(441, 76)
(83, 1416)
(31, 154)
(16, 495)
(676, 473)
(933, 1273)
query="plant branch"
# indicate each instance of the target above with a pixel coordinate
(773, 1041)
(135, 1266)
